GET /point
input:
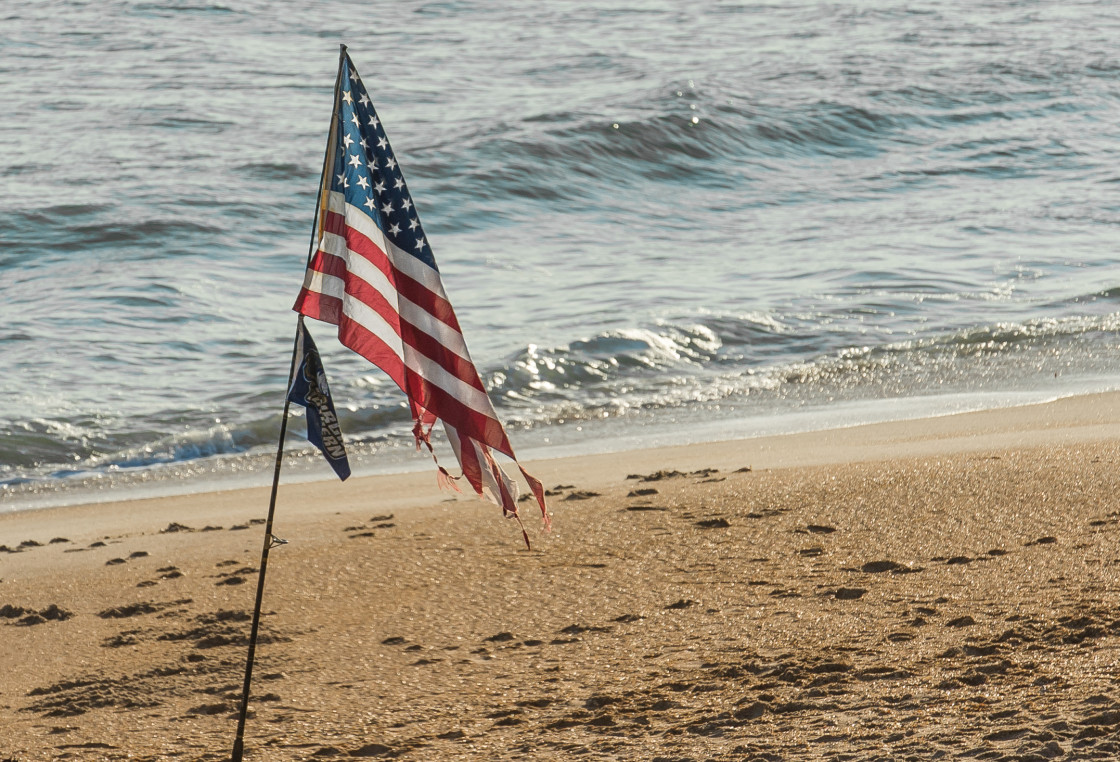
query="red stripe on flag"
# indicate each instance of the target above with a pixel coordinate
(329, 308)
(334, 222)
(509, 503)
(357, 241)
(351, 333)
(360, 244)
(468, 461)
(434, 304)
(319, 306)
(356, 337)
(329, 264)
(429, 346)
(468, 421)
(375, 300)
(538, 492)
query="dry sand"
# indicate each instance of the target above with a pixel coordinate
(943, 588)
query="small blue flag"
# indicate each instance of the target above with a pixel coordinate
(310, 389)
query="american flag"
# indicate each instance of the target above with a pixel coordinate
(373, 275)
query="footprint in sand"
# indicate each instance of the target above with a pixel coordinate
(656, 476)
(175, 526)
(878, 567)
(681, 604)
(372, 750)
(627, 618)
(132, 556)
(961, 621)
(577, 629)
(30, 617)
(123, 639)
(233, 577)
(143, 607)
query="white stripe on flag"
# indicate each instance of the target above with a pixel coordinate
(433, 373)
(355, 309)
(359, 220)
(359, 266)
(424, 321)
(320, 283)
(367, 317)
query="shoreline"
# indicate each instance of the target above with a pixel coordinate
(309, 469)
(901, 590)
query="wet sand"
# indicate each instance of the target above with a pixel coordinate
(942, 588)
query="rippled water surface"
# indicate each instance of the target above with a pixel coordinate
(651, 217)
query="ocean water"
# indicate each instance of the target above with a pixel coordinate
(658, 221)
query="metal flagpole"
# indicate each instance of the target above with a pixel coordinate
(270, 540)
(239, 742)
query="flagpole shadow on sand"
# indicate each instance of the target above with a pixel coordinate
(371, 272)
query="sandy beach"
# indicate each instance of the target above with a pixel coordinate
(940, 588)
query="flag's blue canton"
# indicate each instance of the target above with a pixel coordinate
(367, 174)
